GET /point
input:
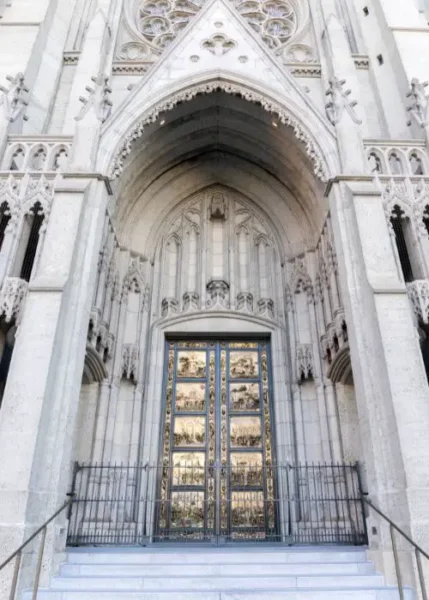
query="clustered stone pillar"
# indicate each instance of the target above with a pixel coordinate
(41, 398)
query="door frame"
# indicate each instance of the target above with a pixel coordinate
(217, 478)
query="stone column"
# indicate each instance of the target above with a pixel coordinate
(392, 390)
(41, 398)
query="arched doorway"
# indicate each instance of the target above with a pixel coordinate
(213, 237)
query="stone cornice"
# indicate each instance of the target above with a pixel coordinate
(97, 176)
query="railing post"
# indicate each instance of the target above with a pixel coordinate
(421, 575)
(15, 576)
(39, 564)
(397, 565)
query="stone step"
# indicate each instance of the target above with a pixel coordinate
(238, 582)
(230, 569)
(374, 594)
(216, 556)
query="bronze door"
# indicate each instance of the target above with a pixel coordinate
(216, 480)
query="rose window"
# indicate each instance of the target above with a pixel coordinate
(159, 21)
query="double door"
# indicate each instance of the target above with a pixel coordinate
(216, 479)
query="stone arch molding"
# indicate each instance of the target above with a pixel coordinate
(233, 72)
(115, 148)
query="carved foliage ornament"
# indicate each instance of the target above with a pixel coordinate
(98, 99)
(320, 169)
(340, 102)
(12, 98)
(420, 106)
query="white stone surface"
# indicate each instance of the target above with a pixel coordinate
(219, 123)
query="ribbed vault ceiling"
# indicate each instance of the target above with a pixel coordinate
(219, 138)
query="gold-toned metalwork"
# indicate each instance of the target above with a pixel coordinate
(246, 469)
(189, 431)
(224, 508)
(197, 472)
(245, 432)
(187, 510)
(211, 502)
(190, 396)
(188, 468)
(242, 345)
(191, 364)
(244, 397)
(243, 365)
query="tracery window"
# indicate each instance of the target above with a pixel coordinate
(4, 221)
(30, 241)
(399, 223)
(416, 164)
(160, 21)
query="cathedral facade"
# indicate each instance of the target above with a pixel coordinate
(214, 269)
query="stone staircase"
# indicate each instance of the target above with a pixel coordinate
(246, 573)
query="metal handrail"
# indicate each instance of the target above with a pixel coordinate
(418, 551)
(18, 554)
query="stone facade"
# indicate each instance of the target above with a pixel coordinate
(230, 171)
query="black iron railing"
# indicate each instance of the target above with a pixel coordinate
(291, 504)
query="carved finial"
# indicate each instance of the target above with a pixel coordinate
(420, 106)
(12, 98)
(98, 99)
(340, 101)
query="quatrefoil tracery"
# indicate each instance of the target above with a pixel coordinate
(160, 21)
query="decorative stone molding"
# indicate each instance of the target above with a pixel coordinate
(304, 362)
(320, 168)
(340, 102)
(99, 336)
(245, 302)
(361, 61)
(130, 68)
(218, 207)
(266, 307)
(397, 158)
(21, 194)
(43, 154)
(300, 280)
(218, 294)
(418, 293)
(71, 58)
(169, 307)
(98, 99)
(420, 102)
(191, 301)
(12, 297)
(13, 101)
(305, 70)
(130, 361)
(335, 337)
(219, 44)
(151, 25)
